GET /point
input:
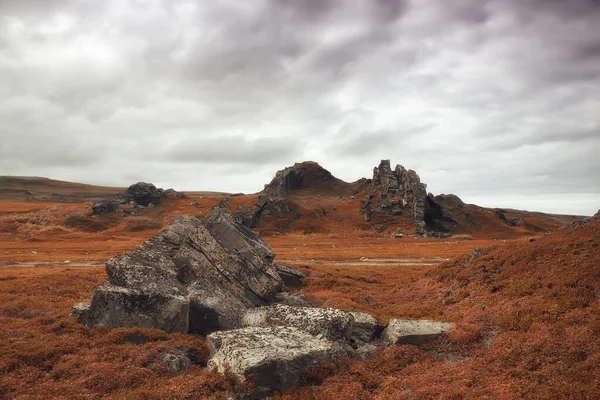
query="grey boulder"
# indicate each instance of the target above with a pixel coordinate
(329, 323)
(144, 193)
(402, 331)
(112, 306)
(210, 272)
(272, 358)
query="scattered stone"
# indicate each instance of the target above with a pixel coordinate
(330, 323)
(272, 358)
(171, 193)
(475, 252)
(104, 207)
(177, 360)
(401, 331)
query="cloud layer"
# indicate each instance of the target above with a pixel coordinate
(496, 101)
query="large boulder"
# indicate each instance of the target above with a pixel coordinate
(144, 193)
(324, 322)
(272, 358)
(402, 331)
(191, 277)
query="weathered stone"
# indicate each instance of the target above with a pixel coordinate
(326, 322)
(172, 193)
(265, 205)
(364, 328)
(144, 193)
(272, 358)
(296, 176)
(104, 207)
(112, 306)
(218, 268)
(400, 331)
(177, 360)
(291, 277)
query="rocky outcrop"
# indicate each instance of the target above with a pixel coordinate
(395, 191)
(144, 193)
(216, 277)
(511, 221)
(305, 174)
(192, 277)
(138, 195)
(265, 205)
(402, 331)
(272, 358)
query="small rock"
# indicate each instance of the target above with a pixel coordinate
(402, 331)
(177, 360)
(104, 207)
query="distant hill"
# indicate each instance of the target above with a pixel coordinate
(307, 198)
(23, 188)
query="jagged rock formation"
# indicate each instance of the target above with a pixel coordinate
(400, 192)
(192, 277)
(395, 191)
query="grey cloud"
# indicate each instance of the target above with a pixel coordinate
(484, 98)
(234, 149)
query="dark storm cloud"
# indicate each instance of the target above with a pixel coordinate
(488, 99)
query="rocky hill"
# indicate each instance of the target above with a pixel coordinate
(306, 197)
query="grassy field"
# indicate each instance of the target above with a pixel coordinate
(525, 311)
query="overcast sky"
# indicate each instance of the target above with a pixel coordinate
(496, 101)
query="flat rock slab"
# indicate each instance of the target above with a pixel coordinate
(117, 306)
(329, 323)
(403, 331)
(273, 358)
